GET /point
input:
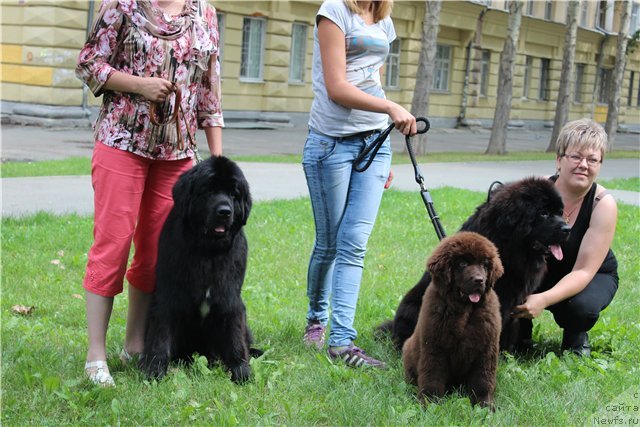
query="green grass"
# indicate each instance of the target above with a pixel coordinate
(629, 184)
(82, 165)
(43, 353)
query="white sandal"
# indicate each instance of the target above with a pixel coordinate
(126, 357)
(98, 373)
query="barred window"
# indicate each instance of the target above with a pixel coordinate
(253, 35)
(221, 22)
(298, 52)
(543, 87)
(526, 86)
(441, 68)
(484, 74)
(605, 83)
(392, 66)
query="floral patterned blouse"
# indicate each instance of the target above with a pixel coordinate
(137, 37)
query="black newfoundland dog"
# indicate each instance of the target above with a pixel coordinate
(202, 257)
(524, 220)
(456, 339)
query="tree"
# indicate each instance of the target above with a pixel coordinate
(498, 139)
(426, 63)
(611, 125)
(568, 59)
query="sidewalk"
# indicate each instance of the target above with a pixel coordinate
(73, 194)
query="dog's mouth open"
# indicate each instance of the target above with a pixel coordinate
(474, 297)
(556, 251)
(219, 230)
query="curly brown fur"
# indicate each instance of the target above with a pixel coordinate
(202, 257)
(456, 339)
(524, 220)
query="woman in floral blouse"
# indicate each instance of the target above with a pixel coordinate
(141, 53)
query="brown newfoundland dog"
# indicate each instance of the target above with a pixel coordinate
(456, 339)
(524, 220)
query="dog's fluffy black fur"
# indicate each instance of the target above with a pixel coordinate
(524, 220)
(202, 257)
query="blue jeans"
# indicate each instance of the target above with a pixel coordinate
(345, 205)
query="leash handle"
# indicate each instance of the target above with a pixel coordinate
(377, 143)
(158, 118)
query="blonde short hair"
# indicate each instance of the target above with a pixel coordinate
(381, 8)
(582, 134)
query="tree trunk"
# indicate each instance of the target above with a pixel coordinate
(568, 59)
(598, 80)
(611, 126)
(426, 63)
(498, 139)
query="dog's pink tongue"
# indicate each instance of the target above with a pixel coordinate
(556, 251)
(474, 298)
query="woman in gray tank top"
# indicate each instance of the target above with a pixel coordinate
(351, 43)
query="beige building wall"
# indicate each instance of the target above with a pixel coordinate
(41, 39)
(40, 43)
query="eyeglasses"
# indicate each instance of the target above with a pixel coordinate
(576, 159)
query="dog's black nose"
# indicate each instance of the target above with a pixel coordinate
(478, 280)
(223, 210)
(566, 229)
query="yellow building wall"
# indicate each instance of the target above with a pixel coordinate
(41, 40)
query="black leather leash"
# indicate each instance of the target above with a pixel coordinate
(374, 147)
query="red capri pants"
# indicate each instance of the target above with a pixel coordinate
(132, 198)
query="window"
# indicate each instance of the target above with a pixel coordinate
(635, 18)
(441, 68)
(484, 72)
(543, 87)
(601, 15)
(298, 52)
(253, 34)
(584, 13)
(632, 77)
(530, 5)
(548, 10)
(577, 87)
(605, 83)
(392, 66)
(527, 77)
(221, 22)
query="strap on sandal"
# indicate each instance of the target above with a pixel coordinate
(101, 375)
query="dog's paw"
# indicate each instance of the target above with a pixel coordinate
(255, 352)
(154, 366)
(240, 373)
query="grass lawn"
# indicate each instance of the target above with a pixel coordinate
(43, 260)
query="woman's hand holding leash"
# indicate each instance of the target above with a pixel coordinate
(156, 89)
(402, 119)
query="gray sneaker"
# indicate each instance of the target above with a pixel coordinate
(355, 357)
(314, 335)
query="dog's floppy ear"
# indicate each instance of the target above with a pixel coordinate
(440, 263)
(245, 200)
(183, 192)
(495, 270)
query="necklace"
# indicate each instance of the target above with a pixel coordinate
(567, 216)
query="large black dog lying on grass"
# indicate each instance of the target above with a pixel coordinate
(202, 258)
(524, 220)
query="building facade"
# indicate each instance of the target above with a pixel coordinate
(266, 51)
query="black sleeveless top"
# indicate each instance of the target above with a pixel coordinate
(556, 270)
